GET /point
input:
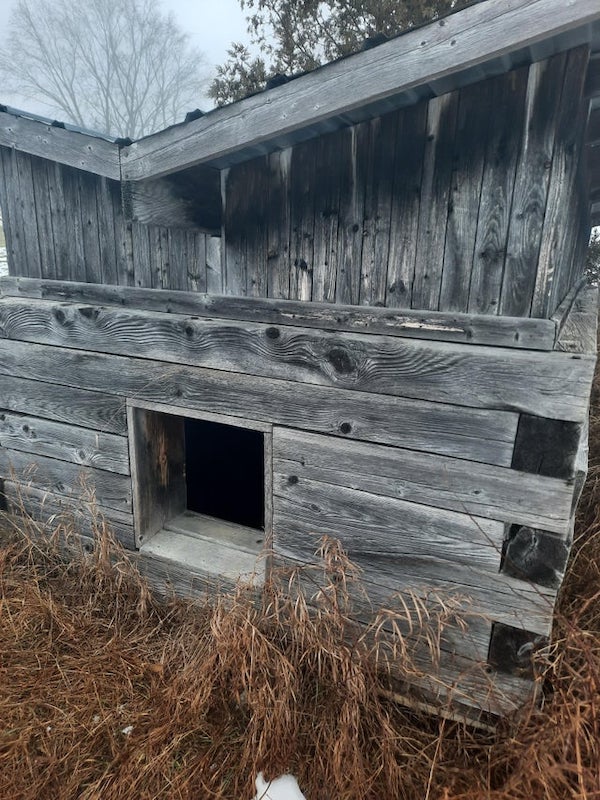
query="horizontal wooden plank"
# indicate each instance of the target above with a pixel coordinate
(87, 409)
(477, 34)
(549, 384)
(479, 490)
(64, 442)
(396, 549)
(79, 150)
(520, 332)
(61, 477)
(78, 516)
(378, 526)
(474, 434)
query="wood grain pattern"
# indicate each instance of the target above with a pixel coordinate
(61, 477)
(486, 436)
(476, 34)
(64, 442)
(385, 538)
(89, 153)
(550, 384)
(433, 480)
(87, 409)
(435, 188)
(467, 161)
(406, 201)
(158, 466)
(23, 172)
(522, 333)
(497, 189)
(82, 517)
(555, 252)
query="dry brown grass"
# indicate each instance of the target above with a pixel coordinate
(215, 692)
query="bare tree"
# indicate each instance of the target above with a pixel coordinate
(121, 67)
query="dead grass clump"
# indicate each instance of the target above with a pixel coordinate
(105, 692)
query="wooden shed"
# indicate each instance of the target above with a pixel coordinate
(353, 304)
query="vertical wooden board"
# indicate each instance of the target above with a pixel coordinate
(302, 220)
(106, 232)
(58, 211)
(578, 230)
(405, 201)
(177, 275)
(378, 197)
(568, 147)
(141, 255)
(26, 194)
(507, 117)
(89, 227)
(531, 185)
(327, 205)
(41, 187)
(352, 210)
(124, 265)
(164, 257)
(234, 230)
(214, 278)
(256, 227)
(197, 267)
(155, 254)
(10, 216)
(473, 121)
(76, 257)
(433, 207)
(278, 225)
(157, 452)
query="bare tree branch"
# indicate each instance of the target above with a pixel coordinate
(122, 68)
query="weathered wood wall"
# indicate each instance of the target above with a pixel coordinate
(430, 460)
(66, 224)
(473, 202)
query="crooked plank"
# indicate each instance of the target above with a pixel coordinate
(484, 491)
(62, 477)
(549, 384)
(519, 332)
(80, 150)
(64, 442)
(477, 34)
(473, 434)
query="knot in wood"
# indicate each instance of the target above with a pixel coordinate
(341, 360)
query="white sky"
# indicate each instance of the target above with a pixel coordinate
(212, 25)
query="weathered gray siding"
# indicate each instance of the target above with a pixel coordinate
(422, 456)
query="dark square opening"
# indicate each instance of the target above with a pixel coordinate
(224, 469)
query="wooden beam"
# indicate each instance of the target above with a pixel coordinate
(477, 34)
(189, 199)
(550, 384)
(519, 332)
(79, 150)
(474, 434)
(593, 169)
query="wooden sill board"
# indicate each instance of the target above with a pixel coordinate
(210, 545)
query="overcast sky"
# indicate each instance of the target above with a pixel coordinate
(212, 25)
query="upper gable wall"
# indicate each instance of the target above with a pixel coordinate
(474, 201)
